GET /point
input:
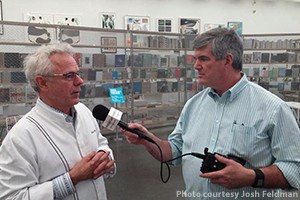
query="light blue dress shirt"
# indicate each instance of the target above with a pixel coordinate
(246, 121)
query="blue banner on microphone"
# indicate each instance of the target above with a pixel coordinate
(116, 95)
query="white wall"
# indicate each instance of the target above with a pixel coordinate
(275, 16)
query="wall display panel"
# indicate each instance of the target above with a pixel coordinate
(71, 36)
(107, 20)
(189, 25)
(87, 60)
(139, 23)
(109, 44)
(164, 25)
(70, 20)
(38, 18)
(212, 26)
(17, 94)
(4, 95)
(237, 26)
(36, 34)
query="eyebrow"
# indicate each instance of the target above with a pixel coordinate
(200, 57)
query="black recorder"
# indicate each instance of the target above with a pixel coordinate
(210, 163)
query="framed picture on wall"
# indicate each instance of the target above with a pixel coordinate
(107, 20)
(37, 34)
(189, 25)
(139, 23)
(212, 26)
(237, 26)
(164, 25)
(108, 44)
(71, 36)
(1, 18)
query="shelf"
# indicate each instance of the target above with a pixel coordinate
(274, 63)
(143, 63)
(271, 49)
(155, 67)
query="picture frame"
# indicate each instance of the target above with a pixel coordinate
(212, 26)
(107, 20)
(109, 44)
(70, 36)
(189, 25)
(237, 26)
(1, 18)
(139, 23)
(164, 25)
(36, 34)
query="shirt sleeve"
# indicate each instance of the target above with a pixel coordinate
(62, 186)
(286, 145)
(18, 171)
(176, 142)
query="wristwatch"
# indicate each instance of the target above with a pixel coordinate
(259, 179)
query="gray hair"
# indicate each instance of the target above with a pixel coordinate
(39, 63)
(223, 41)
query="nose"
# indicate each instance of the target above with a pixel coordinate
(78, 80)
(197, 64)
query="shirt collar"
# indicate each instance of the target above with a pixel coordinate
(68, 118)
(234, 91)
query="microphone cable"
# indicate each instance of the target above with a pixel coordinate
(162, 163)
(209, 162)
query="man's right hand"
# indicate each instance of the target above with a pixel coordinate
(133, 138)
(85, 168)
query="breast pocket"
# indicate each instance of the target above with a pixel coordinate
(243, 140)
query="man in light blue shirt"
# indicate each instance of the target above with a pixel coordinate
(232, 116)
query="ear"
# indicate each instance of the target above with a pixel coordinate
(41, 82)
(229, 60)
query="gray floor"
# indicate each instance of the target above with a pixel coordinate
(138, 174)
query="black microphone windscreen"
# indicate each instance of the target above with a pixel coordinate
(100, 112)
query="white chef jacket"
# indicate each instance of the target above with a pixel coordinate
(43, 146)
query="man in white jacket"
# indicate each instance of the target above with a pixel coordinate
(56, 151)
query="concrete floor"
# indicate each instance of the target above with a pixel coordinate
(138, 174)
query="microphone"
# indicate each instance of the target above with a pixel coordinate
(100, 112)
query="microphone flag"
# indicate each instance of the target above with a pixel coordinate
(112, 119)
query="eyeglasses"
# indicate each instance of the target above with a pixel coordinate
(70, 76)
